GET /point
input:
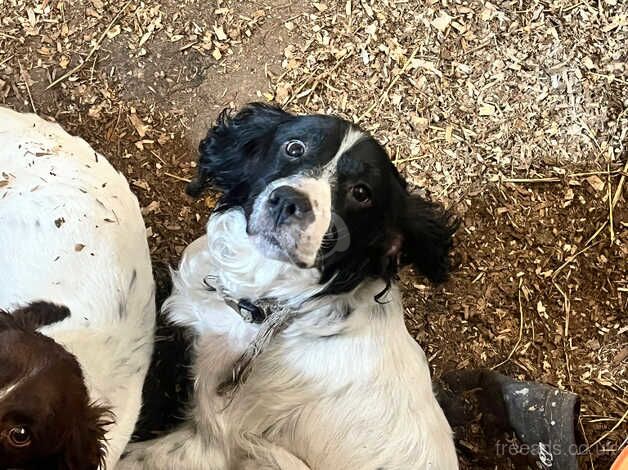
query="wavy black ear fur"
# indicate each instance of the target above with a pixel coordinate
(232, 144)
(428, 230)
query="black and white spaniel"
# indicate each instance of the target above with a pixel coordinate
(77, 308)
(302, 357)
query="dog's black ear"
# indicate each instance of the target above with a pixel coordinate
(427, 231)
(233, 144)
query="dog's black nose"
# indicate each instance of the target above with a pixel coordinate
(286, 203)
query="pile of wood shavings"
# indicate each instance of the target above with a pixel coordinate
(462, 91)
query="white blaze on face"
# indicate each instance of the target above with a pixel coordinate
(5, 392)
(352, 137)
(319, 194)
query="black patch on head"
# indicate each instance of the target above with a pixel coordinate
(428, 230)
(246, 151)
(395, 228)
(40, 313)
(232, 144)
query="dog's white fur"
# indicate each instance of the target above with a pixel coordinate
(333, 391)
(71, 233)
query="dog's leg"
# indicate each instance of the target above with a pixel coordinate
(200, 443)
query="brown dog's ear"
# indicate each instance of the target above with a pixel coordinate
(40, 313)
(86, 447)
(428, 230)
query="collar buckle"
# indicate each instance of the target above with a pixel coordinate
(251, 312)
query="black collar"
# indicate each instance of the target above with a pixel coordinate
(246, 308)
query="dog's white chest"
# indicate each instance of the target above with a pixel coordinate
(357, 398)
(343, 387)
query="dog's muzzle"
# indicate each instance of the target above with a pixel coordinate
(290, 218)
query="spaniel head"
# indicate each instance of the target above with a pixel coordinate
(317, 191)
(46, 417)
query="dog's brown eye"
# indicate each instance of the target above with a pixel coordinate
(19, 436)
(361, 194)
(295, 148)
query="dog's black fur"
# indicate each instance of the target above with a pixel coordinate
(245, 151)
(168, 385)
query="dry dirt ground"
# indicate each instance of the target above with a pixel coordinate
(512, 112)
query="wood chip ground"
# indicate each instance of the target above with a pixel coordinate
(514, 113)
